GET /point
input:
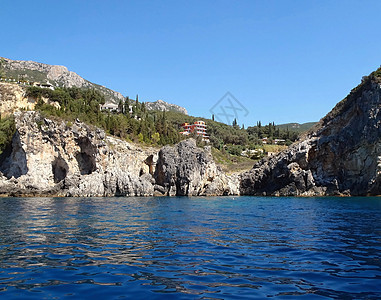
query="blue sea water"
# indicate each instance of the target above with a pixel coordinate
(190, 248)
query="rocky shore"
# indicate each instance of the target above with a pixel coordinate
(339, 156)
(51, 157)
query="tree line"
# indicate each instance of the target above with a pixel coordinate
(132, 121)
(85, 105)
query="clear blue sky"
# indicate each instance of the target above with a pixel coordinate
(285, 61)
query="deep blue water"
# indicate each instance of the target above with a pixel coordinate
(190, 248)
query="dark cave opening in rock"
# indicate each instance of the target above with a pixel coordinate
(86, 158)
(86, 163)
(13, 161)
(59, 169)
(5, 159)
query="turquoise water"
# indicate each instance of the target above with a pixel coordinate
(190, 248)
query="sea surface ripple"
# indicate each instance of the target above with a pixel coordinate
(190, 248)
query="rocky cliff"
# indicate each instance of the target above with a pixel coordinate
(51, 157)
(187, 170)
(58, 76)
(341, 155)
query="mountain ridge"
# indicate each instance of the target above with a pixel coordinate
(165, 106)
(298, 127)
(61, 76)
(56, 75)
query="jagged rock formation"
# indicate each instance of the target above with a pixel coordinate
(58, 76)
(339, 156)
(51, 157)
(185, 170)
(165, 106)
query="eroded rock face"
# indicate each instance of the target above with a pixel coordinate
(187, 170)
(51, 158)
(340, 156)
(48, 157)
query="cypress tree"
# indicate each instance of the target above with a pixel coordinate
(121, 106)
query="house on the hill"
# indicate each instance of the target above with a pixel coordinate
(199, 127)
(44, 85)
(111, 107)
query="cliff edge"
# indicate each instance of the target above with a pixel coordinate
(341, 155)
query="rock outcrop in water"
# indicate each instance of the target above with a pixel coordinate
(51, 157)
(187, 170)
(339, 156)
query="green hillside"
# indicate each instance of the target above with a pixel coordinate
(300, 128)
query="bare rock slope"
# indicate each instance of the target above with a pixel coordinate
(165, 106)
(14, 97)
(341, 155)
